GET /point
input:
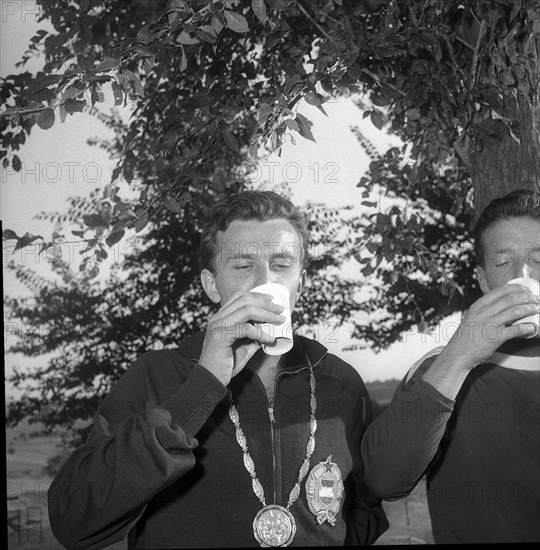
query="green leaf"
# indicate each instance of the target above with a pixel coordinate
(305, 127)
(140, 224)
(313, 98)
(63, 113)
(259, 9)
(142, 35)
(117, 93)
(173, 205)
(93, 272)
(206, 33)
(106, 65)
(71, 92)
(97, 95)
(26, 239)
(74, 105)
(186, 39)
(134, 81)
(148, 63)
(95, 220)
(43, 95)
(114, 237)
(230, 140)
(43, 82)
(45, 119)
(236, 22)
(362, 182)
(380, 100)
(292, 125)
(183, 61)
(216, 24)
(265, 111)
(377, 119)
(16, 163)
(9, 234)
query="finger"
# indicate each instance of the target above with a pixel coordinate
(520, 292)
(253, 333)
(241, 300)
(520, 330)
(515, 313)
(230, 334)
(507, 303)
(251, 313)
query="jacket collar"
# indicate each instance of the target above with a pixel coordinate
(191, 348)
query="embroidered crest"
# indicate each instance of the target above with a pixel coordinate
(324, 489)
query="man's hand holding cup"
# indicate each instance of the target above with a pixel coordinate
(237, 331)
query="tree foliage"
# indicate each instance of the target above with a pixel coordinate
(207, 83)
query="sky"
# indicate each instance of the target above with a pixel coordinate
(58, 164)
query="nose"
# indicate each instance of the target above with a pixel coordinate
(264, 274)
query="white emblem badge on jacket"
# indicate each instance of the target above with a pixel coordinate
(324, 489)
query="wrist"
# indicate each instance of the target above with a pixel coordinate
(457, 360)
(448, 372)
(217, 373)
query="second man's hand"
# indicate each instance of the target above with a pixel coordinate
(232, 339)
(485, 327)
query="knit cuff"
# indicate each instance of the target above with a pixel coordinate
(195, 400)
(433, 393)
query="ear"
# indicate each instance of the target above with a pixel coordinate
(209, 284)
(482, 279)
(301, 284)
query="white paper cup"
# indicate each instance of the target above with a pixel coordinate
(283, 333)
(534, 286)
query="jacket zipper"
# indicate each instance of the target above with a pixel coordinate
(272, 428)
(273, 421)
(272, 436)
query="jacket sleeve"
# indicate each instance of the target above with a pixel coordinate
(402, 441)
(367, 521)
(136, 448)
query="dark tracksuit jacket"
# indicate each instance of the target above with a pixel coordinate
(480, 452)
(163, 466)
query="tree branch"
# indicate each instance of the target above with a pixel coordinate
(305, 12)
(481, 32)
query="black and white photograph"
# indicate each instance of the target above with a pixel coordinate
(271, 272)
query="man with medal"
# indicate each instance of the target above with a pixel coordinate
(467, 416)
(244, 435)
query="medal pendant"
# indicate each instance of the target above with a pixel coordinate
(274, 526)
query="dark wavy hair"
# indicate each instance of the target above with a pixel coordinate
(522, 203)
(250, 205)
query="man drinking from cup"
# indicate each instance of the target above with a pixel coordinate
(219, 443)
(468, 415)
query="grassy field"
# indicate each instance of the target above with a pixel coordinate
(31, 460)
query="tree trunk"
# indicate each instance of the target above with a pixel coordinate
(499, 164)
